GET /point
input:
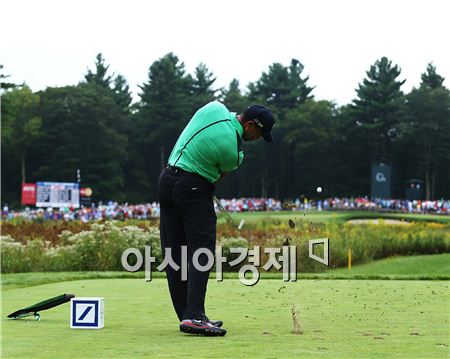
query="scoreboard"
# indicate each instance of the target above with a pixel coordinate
(57, 194)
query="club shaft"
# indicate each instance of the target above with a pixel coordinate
(222, 209)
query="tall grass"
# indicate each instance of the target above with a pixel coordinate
(100, 246)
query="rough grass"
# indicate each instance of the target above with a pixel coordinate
(23, 230)
(338, 319)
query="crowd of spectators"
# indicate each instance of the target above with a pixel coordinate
(108, 211)
(362, 203)
(116, 211)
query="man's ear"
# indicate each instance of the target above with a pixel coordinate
(248, 125)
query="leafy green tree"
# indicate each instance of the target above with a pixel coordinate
(353, 154)
(122, 93)
(233, 98)
(202, 91)
(124, 120)
(80, 127)
(377, 109)
(164, 109)
(21, 125)
(117, 84)
(431, 79)
(100, 75)
(311, 137)
(428, 131)
(3, 84)
(281, 88)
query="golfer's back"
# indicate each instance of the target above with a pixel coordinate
(210, 144)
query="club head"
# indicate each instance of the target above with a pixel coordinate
(241, 224)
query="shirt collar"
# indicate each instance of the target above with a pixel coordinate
(237, 125)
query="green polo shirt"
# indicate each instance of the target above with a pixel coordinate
(210, 144)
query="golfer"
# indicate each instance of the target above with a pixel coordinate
(209, 147)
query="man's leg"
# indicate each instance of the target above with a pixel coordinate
(172, 236)
(194, 198)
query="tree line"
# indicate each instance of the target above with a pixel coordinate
(120, 147)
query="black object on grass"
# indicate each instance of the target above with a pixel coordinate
(44, 305)
(291, 223)
(286, 241)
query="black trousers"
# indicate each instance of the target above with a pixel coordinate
(187, 219)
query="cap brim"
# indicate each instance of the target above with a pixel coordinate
(267, 136)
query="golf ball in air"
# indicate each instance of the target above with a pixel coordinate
(319, 189)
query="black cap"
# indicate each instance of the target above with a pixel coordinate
(263, 117)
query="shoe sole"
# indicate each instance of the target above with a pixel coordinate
(202, 331)
(217, 323)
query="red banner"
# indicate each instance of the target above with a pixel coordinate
(29, 193)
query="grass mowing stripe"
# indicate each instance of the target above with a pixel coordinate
(339, 319)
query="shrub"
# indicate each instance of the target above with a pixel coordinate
(99, 248)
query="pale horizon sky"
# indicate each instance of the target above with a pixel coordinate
(53, 43)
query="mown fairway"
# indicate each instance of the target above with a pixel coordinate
(330, 216)
(339, 318)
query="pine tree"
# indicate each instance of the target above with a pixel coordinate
(164, 109)
(202, 91)
(378, 105)
(431, 79)
(428, 131)
(100, 75)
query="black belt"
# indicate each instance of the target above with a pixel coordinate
(178, 170)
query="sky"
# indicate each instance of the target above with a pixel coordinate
(53, 43)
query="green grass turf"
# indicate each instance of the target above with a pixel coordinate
(330, 216)
(431, 265)
(428, 267)
(339, 319)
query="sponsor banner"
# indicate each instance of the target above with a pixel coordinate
(29, 193)
(57, 194)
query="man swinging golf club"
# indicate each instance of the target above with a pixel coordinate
(209, 147)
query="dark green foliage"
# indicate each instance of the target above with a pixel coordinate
(377, 107)
(163, 111)
(431, 79)
(100, 76)
(121, 147)
(202, 91)
(427, 133)
(21, 127)
(3, 84)
(80, 132)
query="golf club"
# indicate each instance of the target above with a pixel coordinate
(222, 209)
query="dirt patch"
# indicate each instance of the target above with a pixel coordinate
(394, 222)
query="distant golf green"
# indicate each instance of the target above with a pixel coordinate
(330, 216)
(338, 318)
